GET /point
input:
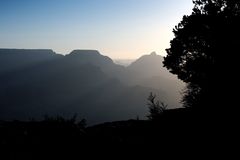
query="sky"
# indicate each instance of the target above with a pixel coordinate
(120, 29)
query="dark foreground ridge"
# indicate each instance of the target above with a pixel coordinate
(174, 129)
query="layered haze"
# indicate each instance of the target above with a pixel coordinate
(34, 83)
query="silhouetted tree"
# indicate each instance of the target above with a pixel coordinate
(156, 108)
(204, 52)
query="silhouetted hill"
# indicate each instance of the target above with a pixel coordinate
(17, 59)
(149, 66)
(83, 82)
(89, 56)
(93, 57)
(148, 71)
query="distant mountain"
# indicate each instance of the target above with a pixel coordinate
(148, 71)
(150, 66)
(93, 57)
(89, 57)
(17, 59)
(123, 62)
(34, 83)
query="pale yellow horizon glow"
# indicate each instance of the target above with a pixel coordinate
(156, 40)
(119, 29)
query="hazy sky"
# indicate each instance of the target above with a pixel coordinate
(117, 28)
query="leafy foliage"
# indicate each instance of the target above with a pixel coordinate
(204, 49)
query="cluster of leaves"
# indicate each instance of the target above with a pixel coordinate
(204, 50)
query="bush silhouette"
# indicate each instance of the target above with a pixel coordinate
(156, 108)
